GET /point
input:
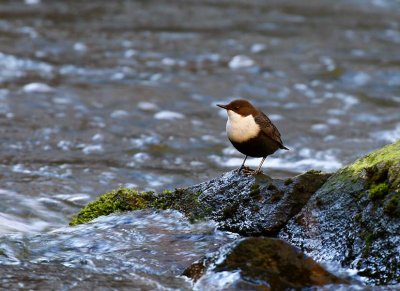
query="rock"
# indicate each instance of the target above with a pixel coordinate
(119, 200)
(351, 217)
(256, 205)
(249, 205)
(354, 219)
(266, 262)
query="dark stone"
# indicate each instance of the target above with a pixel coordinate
(269, 262)
(256, 205)
(354, 219)
(196, 270)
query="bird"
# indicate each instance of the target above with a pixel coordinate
(251, 132)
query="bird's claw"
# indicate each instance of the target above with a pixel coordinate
(248, 172)
(244, 169)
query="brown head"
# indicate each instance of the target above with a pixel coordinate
(240, 106)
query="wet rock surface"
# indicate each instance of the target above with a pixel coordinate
(354, 218)
(248, 205)
(266, 263)
(256, 205)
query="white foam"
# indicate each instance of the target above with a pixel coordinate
(196, 164)
(361, 78)
(217, 280)
(391, 135)
(80, 47)
(32, 2)
(130, 53)
(11, 223)
(258, 47)
(76, 197)
(98, 137)
(168, 115)
(64, 145)
(240, 61)
(145, 140)
(117, 76)
(37, 88)
(119, 114)
(347, 99)
(147, 106)
(95, 148)
(141, 157)
(168, 62)
(320, 127)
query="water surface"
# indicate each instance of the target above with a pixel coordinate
(97, 95)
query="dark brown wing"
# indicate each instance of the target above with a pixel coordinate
(269, 129)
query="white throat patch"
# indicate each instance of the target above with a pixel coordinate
(239, 128)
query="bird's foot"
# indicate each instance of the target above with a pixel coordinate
(250, 172)
(243, 169)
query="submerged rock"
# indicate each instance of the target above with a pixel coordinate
(265, 263)
(354, 219)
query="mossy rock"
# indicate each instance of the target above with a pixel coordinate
(392, 207)
(358, 222)
(125, 199)
(388, 155)
(378, 191)
(249, 205)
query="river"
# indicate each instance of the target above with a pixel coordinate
(95, 95)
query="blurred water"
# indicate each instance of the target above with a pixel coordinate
(141, 249)
(96, 95)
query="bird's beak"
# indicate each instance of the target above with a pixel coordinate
(222, 106)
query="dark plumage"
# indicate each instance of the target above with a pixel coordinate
(251, 132)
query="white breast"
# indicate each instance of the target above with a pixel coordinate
(239, 128)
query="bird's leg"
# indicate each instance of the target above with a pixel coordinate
(258, 171)
(242, 166)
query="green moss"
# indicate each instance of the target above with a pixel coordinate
(167, 192)
(288, 181)
(374, 168)
(358, 217)
(183, 201)
(369, 238)
(119, 200)
(255, 191)
(392, 207)
(378, 191)
(389, 154)
(129, 199)
(230, 210)
(276, 196)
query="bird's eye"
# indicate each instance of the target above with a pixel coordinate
(237, 107)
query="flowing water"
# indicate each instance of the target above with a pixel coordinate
(100, 94)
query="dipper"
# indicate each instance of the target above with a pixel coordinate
(251, 132)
